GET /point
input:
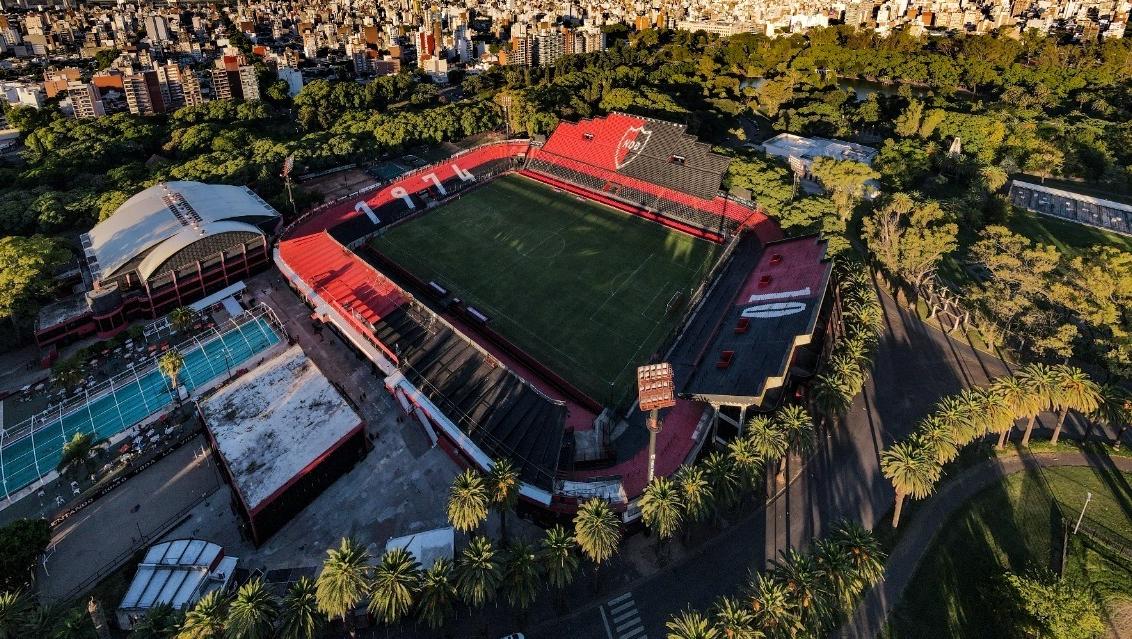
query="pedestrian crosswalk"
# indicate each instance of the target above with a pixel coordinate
(623, 621)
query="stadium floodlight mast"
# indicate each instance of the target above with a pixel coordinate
(655, 390)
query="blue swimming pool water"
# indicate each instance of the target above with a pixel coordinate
(27, 459)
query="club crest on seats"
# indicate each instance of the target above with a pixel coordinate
(632, 143)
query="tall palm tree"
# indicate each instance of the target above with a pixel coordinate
(1042, 381)
(800, 433)
(73, 624)
(865, 554)
(746, 462)
(503, 488)
(1075, 391)
(1017, 399)
(252, 613)
(767, 440)
(937, 438)
(734, 619)
(960, 414)
(1114, 408)
(477, 572)
(661, 509)
(690, 624)
(597, 530)
(695, 492)
(912, 473)
(395, 580)
(467, 501)
(159, 622)
(838, 572)
(299, 616)
(344, 581)
(205, 620)
(832, 396)
(170, 365)
(77, 453)
(437, 601)
(807, 585)
(521, 576)
(723, 479)
(15, 609)
(559, 557)
(775, 609)
(181, 318)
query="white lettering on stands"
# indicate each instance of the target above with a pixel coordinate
(431, 177)
(462, 174)
(400, 192)
(364, 208)
(776, 309)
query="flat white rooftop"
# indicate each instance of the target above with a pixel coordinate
(790, 145)
(275, 421)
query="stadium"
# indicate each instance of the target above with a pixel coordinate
(508, 293)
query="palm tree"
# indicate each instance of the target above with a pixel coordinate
(467, 501)
(746, 462)
(253, 612)
(774, 607)
(15, 609)
(734, 619)
(77, 453)
(837, 570)
(937, 439)
(911, 471)
(865, 554)
(597, 530)
(767, 440)
(73, 624)
(521, 577)
(181, 318)
(395, 580)
(690, 624)
(795, 422)
(299, 616)
(558, 557)
(661, 510)
(170, 365)
(503, 486)
(723, 479)
(807, 585)
(831, 395)
(695, 492)
(1042, 381)
(205, 620)
(1075, 391)
(1017, 399)
(437, 601)
(159, 622)
(960, 414)
(1114, 408)
(477, 572)
(344, 581)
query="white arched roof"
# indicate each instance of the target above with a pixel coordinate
(165, 218)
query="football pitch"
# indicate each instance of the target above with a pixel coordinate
(581, 287)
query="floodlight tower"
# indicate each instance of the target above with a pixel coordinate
(655, 390)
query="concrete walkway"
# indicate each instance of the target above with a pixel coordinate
(879, 602)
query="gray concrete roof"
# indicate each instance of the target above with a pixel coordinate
(166, 218)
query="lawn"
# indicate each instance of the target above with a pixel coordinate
(1011, 527)
(580, 286)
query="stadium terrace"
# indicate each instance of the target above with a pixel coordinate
(508, 293)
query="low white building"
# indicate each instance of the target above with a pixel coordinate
(177, 573)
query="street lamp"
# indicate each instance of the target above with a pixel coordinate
(655, 390)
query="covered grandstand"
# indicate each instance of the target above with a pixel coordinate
(483, 402)
(166, 246)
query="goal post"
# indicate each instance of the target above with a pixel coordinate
(676, 302)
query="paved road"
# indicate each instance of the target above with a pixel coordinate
(879, 602)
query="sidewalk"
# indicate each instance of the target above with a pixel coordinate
(873, 612)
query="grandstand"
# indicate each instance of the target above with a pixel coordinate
(484, 394)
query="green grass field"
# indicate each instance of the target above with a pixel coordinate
(580, 286)
(1009, 527)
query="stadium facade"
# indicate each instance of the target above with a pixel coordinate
(165, 247)
(481, 398)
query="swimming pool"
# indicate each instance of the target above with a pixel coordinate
(126, 400)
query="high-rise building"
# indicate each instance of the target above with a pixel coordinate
(85, 100)
(522, 51)
(157, 29)
(143, 93)
(249, 84)
(551, 46)
(234, 78)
